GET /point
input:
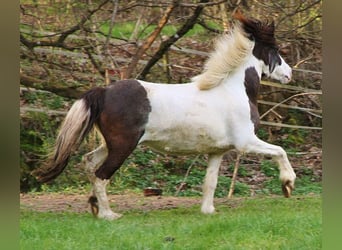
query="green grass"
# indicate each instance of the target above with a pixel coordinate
(259, 223)
(125, 30)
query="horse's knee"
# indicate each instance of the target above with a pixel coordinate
(279, 153)
(117, 154)
(108, 168)
(104, 173)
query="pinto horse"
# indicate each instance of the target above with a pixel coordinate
(215, 112)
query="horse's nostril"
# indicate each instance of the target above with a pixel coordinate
(286, 79)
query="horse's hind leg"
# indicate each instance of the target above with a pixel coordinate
(287, 175)
(104, 211)
(119, 146)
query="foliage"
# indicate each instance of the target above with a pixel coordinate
(269, 168)
(34, 145)
(83, 28)
(306, 181)
(124, 30)
(262, 223)
(37, 135)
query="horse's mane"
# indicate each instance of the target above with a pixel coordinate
(230, 52)
(232, 49)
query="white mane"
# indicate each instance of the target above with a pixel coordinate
(230, 52)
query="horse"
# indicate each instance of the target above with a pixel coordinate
(212, 114)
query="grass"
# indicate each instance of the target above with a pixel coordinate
(258, 223)
(124, 30)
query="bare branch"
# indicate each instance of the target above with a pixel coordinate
(287, 99)
(63, 35)
(165, 45)
(148, 42)
(54, 87)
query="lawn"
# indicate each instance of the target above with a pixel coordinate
(252, 223)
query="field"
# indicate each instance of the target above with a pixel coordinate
(262, 222)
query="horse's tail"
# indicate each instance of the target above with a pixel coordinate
(78, 122)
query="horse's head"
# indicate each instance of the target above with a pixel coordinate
(265, 48)
(274, 66)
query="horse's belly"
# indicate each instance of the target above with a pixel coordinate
(185, 140)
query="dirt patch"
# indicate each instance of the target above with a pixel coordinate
(121, 203)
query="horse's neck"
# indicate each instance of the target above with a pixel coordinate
(239, 76)
(253, 62)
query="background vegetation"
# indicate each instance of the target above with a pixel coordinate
(68, 47)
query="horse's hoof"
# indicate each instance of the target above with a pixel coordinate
(208, 210)
(287, 189)
(109, 216)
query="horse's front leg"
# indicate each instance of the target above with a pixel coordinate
(210, 183)
(287, 175)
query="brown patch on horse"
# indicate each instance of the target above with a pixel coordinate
(252, 84)
(122, 123)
